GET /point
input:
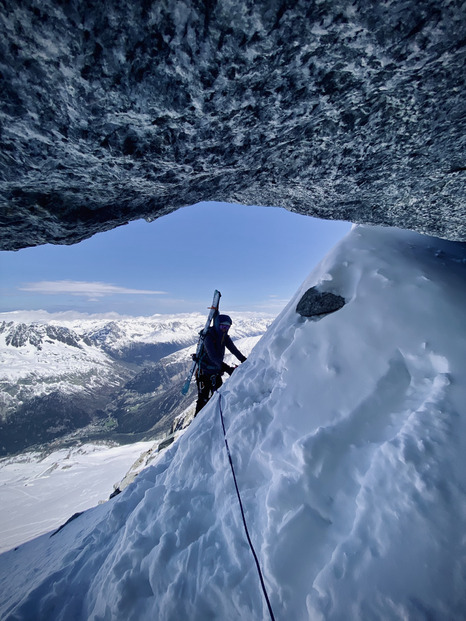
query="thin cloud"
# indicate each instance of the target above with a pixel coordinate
(91, 290)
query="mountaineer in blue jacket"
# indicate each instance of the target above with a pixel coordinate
(211, 365)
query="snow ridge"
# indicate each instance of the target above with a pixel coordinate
(349, 445)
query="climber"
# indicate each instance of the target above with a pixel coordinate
(211, 365)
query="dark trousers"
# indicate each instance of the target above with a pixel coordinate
(207, 384)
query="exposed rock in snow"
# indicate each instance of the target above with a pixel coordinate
(315, 302)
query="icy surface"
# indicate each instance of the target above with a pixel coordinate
(348, 437)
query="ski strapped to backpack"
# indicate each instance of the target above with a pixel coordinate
(213, 311)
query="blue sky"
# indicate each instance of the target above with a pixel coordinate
(256, 256)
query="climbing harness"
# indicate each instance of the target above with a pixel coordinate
(256, 560)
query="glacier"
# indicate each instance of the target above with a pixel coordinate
(348, 437)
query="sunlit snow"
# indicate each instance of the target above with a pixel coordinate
(348, 437)
(39, 493)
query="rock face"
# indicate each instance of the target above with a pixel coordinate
(116, 111)
(315, 303)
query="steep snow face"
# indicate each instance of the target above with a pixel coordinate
(119, 110)
(42, 489)
(348, 437)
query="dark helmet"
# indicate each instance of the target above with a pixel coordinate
(222, 320)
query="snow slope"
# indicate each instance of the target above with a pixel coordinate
(348, 437)
(42, 489)
(42, 492)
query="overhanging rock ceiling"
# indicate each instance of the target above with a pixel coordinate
(120, 110)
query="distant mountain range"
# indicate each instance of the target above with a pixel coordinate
(63, 379)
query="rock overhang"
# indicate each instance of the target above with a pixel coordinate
(350, 111)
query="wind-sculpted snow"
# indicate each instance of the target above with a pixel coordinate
(348, 439)
(122, 110)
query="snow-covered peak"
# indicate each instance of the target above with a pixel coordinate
(22, 334)
(47, 337)
(118, 332)
(348, 440)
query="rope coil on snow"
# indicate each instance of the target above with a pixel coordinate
(256, 560)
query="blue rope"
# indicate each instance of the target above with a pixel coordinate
(259, 571)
